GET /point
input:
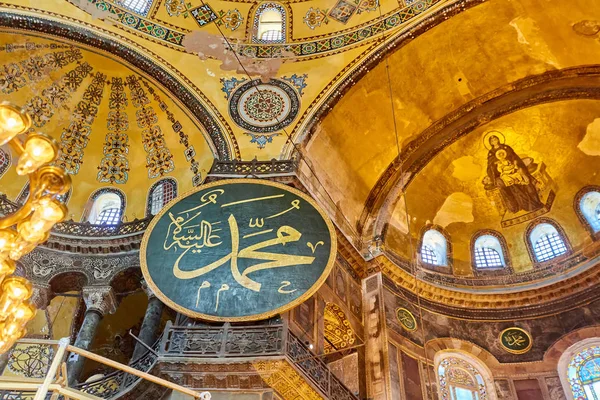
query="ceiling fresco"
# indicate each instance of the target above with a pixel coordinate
(115, 126)
(542, 156)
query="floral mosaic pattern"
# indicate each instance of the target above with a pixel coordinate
(261, 140)
(114, 167)
(232, 19)
(159, 160)
(315, 17)
(189, 152)
(75, 137)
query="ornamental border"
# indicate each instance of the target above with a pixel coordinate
(255, 317)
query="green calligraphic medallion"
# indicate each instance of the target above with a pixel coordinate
(516, 340)
(238, 250)
(406, 319)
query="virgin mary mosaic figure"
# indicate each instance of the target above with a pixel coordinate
(509, 173)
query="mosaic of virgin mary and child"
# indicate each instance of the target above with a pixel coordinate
(511, 175)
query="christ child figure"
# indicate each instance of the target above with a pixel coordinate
(509, 171)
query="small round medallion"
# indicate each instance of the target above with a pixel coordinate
(406, 319)
(264, 107)
(516, 340)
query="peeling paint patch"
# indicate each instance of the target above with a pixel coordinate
(458, 207)
(590, 144)
(465, 169)
(400, 219)
(529, 36)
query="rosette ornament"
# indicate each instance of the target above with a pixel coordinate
(29, 226)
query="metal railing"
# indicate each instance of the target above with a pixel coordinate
(253, 341)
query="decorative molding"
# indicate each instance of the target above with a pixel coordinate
(101, 299)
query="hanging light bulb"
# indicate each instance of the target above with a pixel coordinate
(14, 291)
(7, 267)
(22, 247)
(48, 209)
(32, 232)
(13, 121)
(39, 150)
(22, 314)
(7, 240)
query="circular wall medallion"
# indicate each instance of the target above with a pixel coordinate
(406, 319)
(238, 250)
(264, 107)
(516, 340)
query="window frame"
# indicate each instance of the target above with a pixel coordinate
(256, 22)
(446, 268)
(155, 186)
(491, 271)
(472, 365)
(92, 201)
(568, 357)
(143, 12)
(531, 246)
(577, 207)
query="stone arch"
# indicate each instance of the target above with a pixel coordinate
(72, 281)
(469, 365)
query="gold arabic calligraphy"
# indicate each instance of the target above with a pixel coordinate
(191, 233)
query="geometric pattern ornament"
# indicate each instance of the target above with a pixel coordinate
(264, 107)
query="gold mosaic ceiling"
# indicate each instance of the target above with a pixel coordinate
(472, 64)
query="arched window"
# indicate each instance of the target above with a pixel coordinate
(160, 194)
(587, 206)
(269, 23)
(463, 378)
(107, 208)
(4, 161)
(434, 248)
(546, 242)
(579, 370)
(137, 6)
(488, 252)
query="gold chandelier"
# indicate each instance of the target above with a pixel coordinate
(29, 226)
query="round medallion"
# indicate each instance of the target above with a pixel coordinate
(264, 107)
(238, 250)
(406, 319)
(516, 340)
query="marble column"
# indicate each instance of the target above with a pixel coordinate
(99, 301)
(150, 324)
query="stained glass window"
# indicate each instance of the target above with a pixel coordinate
(460, 380)
(583, 374)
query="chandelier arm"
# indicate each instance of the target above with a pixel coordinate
(12, 219)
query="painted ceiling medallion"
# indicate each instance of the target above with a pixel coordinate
(264, 107)
(406, 319)
(516, 340)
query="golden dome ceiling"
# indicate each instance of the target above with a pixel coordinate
(115, 126)
(362, 83)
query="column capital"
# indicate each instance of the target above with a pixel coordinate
(41, 295)
(100, 298)
(147, 290)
